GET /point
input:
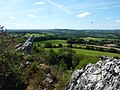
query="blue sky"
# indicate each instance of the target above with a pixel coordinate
(67, 14)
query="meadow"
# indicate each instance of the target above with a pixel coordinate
(97, 39)
(54, 42)
(78, 51)
(35, 34)
(90, 52)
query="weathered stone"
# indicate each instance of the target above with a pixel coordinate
(27, 46)
(104, 75)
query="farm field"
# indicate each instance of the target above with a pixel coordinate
(97, 39)
(36, 35)
(78, 51)
(90, 52)
(54, 42)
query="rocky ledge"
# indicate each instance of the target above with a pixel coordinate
(104, 75)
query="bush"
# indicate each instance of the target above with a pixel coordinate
(34, 66)
(52, 57)
(86, 60)
(60, 45)
(66, 54)
(48, 45)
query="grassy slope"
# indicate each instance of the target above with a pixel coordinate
(90, 52)
(54, 42)
(98, 39)
(36, 35)
(78, 51)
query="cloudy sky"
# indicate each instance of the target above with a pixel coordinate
(50, 14)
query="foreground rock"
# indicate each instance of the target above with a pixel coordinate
(104, 75)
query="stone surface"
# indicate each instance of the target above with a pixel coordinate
(27, 46)
(104, 75)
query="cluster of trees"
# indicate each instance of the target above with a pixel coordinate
(113, 50)
(91, 42)
(50, 45)
(63, 56)
(65, 33)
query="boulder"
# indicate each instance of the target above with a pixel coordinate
(27, 46)
(104, 75)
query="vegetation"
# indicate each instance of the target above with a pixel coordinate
(57, 52)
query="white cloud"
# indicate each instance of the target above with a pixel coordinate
(32, 16)
(0, 16)
(85, 14)
(117, 21)
(11, 17)
(61, 7)
(39, 3)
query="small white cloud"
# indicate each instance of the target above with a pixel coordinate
(117, 21)
(32, 16)
(11, 17)
(39, 3)
(0, 16)
(85, 14)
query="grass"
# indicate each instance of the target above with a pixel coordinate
(90, 52)
(78, 51)
(36, 35)
(97, 39)
(54, 42)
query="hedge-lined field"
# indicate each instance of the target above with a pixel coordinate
(90, 52)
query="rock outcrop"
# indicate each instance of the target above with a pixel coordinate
(27, 46)
(104, 75)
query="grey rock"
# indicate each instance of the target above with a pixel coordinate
(104, 75)
(27, 46)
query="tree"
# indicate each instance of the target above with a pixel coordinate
(60, 45)
(48, 45)
(63, 66)
(66, 55)
(52, 57)
(70, 45)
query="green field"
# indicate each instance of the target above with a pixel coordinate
(90, 52)
(97, 39)
(78, 51)
(54, 42)
(36, 35)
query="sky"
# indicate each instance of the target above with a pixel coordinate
(60, 14)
